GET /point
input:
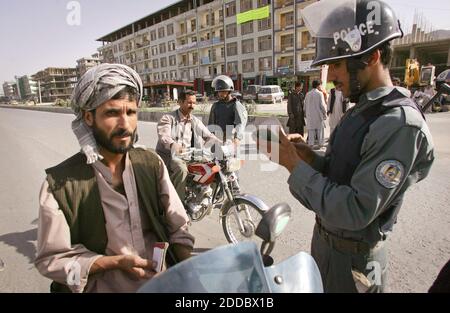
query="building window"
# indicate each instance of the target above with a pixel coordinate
(265, 43)
(265, 23)
(194, 58)
(170, 30)
(155, 64)
(286, 61)
(173, 60)
(247, 28)
(182, 29)
(287, 41)
(287, 19)
(193, 25)
(194, 39)
(222, 52)
(162, 48)
(220, 15)
(171, 45)
(232, 67)
(230, 9)
(156, 77)
(265, 64)
(163, 62)
(232, 49)
(307, 57)
(247, 46)
(173, 75)
(231, 30)
(155, 50)
(161, 32)
(246, 5)
(165, 76)
(153, 35)
(307, 39)
(248, 66)
(263, 3)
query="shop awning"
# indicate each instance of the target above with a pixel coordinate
(169, 83)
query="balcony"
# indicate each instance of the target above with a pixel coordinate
(181, 34)
(279, 4)
(283, 27)
(285, 69)
(210, 42)
(284, 49)
(307, 46)
(204, 27)
(142, 44)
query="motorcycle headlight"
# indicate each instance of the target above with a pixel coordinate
(233, 165)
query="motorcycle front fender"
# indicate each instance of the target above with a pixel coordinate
(246, 198)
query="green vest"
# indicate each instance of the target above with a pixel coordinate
(74, 186)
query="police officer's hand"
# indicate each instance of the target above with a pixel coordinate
(296, 138)
(303, 150)
(288, 156)
(136, 266)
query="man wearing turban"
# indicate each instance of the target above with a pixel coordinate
(103, 209)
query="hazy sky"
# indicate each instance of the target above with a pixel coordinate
(35, 34)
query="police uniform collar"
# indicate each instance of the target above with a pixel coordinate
(384, 91)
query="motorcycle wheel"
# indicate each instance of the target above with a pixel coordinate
(250, 215)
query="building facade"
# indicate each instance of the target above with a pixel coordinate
(193, 41)
(84, 64)
(56, 83)
(28, 88)
(11, 90)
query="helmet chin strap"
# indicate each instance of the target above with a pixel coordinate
(353, 65)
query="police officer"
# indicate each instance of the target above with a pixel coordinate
(228, 113)
(380, 148)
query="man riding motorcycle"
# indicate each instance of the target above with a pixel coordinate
(178, 131)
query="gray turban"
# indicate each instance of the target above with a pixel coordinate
(95, 87)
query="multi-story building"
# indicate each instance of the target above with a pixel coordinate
(84, 64)
(27, 87)
(294, 48)
(56, 83)
(192, 41)
(11, 90)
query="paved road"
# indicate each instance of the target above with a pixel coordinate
(33, 141)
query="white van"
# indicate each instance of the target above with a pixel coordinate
(271, 94)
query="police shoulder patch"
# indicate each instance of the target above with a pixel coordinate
(390, 173)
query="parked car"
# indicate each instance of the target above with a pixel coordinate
(200, 98)
(237, 95)
(251, 93)
(271, 94)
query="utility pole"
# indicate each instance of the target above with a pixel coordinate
(39, 90)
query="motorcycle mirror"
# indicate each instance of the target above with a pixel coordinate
(273, 222)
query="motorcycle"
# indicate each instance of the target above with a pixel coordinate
(212, 183)
(242, 268)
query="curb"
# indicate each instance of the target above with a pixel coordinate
(144, 116)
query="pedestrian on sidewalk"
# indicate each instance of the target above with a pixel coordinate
(316, 115)
(295, 109)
